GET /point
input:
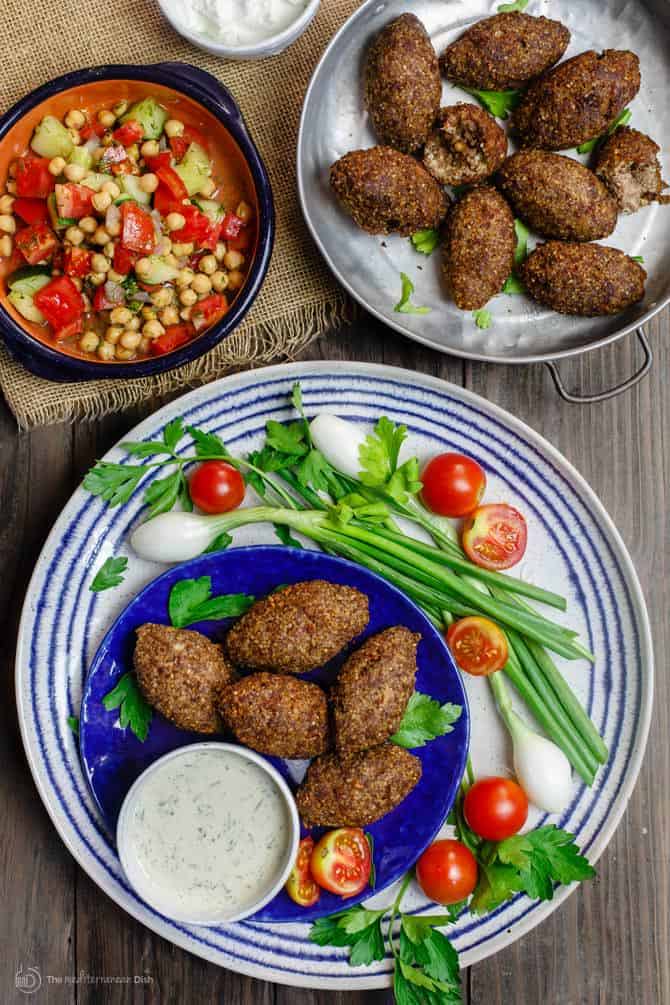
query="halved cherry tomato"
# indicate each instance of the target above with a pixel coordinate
(495, 808)
(231, 226)
(447, 872)
(60, 302)
(341, 861)
(32, 210)
(130, 132)
(77, 261)
(33, 178)
(174, 337)
(216, 487)
(36, 243)
(495, 536)
(208, 310)
(300, 885)
(453, 484)
(477, 645)
(124, 260)
(137, 229)
(74, 201)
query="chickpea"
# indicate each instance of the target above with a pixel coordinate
(106, 118)
(108, 249)
(171, 259)
(74, 172)
(88, 224)
(233, 259)
(101, 201)
(130, 339)
(175, 221)
(133, 325)
(74, 235)
(149, 182)
(75, 136)
(111, 188)
(153, 329)
(116, 277)
(169, 316)
(207, 188)
(173, 127)
(162, 297)
(100, 263)
(113, 228)
(185, 313)
(244, 211)
(6, 203)
(148, 314)
(188, 297)
(120, 315)
(56, 165)
(97, 278)
(185, 277)
(89, 341)
(105, 351)
(101, 236)
(183, 250)
(113, 334)
(124, 354)
(7, 224)
(164, 246)
(6, 246)
(208, 264)
(219, 281)
(143, 267)
(144, 345)
(235, 279)
(150, 148)
(120, 108)
(201, 283)
(220, 251)
(11, 187)
(97, 154)
(75, 118)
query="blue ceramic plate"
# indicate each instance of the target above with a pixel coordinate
(114, 757)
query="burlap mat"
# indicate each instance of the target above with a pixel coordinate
(299, 299)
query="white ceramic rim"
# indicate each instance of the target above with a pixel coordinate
(124, 846)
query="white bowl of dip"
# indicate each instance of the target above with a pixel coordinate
(208, 833)
(240, 29)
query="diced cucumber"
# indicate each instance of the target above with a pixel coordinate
(150, 115)
(29, 279)
(58, 222)
(81, 156)
(160, 271)
(130, 184)
(22, 288)
(194, 168)
(26, 308)
(124, 197)
(214, 210)
(95, 180)
(51, 138)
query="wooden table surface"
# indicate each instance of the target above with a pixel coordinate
(608, 944)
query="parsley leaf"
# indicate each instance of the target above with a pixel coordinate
(424, 720)
(312, 470)
(207, 444)
(404, 481)
(428, 959)
(379, 452)
(109, 574)
(191, 600)
(513, 285)
(296, 399)
(496, 884)
(73, 723)
(498, 103)
(285, 536)
(288, 439)
(134, 711)
(621, 120)
(638, 258)
(220, 543)
(162, 494)
(404, 306)
(509, 8)
(357, 928)
(173, 433)
(426, 241)
(115, 483)
(145, 448)
(482, 318)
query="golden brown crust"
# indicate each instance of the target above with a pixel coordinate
(277, 715)
(504, 51)
(577, 100)
(557, 196)
(479, 247)
(387, 192)
(627, 162)
(181, 674)
(373, 688)
(466, 145)
(584, 279)
(298, 628)
(357, 789)
(402, 83)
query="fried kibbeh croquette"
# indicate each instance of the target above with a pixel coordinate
(478, 250)
(466, 145)
(402, 84)
(386, 192)
(577, 100)
(298, 628)
(277, 715)
(584, 279)
(372, 689)
(505, 51)
(557, 196)
(627, 163)
(181, 673)
(356, 789)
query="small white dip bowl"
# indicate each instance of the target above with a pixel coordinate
(270, 46)
(129, 833)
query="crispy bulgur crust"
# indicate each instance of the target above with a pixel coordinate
(466, 145)
(299, 628)
(627, 163)
(357, 789)
(277, 715)
(181, 673)
(584, 279)
(402, 84)
(478, 252)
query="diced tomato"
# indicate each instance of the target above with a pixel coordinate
(113, 155)
(91, 129)
(77, 262)
(102, 301)
(31, 210)
(127, 134)
(164, 201)
(231, 226)
(180, 144)
(33, 178)
(124, 260)
(75, 327)
(174, 337)
(208, 311)
(74, 201)
(137, 229)
(197, 227)
(125, 167)
(169, 177)
(36, 243)
(60, 302)
(242, 242)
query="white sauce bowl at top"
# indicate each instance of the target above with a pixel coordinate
(208, 833)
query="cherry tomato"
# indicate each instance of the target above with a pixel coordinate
(495, 536)
(453, 484)
(217, 487)
(300, 885)
(127, 134)
(495, 808)
(477, 645)
(341, 861)
(447, 872)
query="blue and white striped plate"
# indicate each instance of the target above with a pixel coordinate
(573, 549)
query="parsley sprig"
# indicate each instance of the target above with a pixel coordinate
(404, 306)
(379, 456)
(513, 284)
(425, 241)
(134, 711)
(424, 720)
(498, 103)
(621, 120)
(191, 601)
(109, 574)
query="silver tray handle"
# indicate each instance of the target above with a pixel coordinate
(588, 399)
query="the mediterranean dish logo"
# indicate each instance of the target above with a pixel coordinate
(29, 980)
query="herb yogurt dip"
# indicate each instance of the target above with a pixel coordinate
(206, 835)
(237, 22)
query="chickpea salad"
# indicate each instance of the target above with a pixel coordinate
(116, 240)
